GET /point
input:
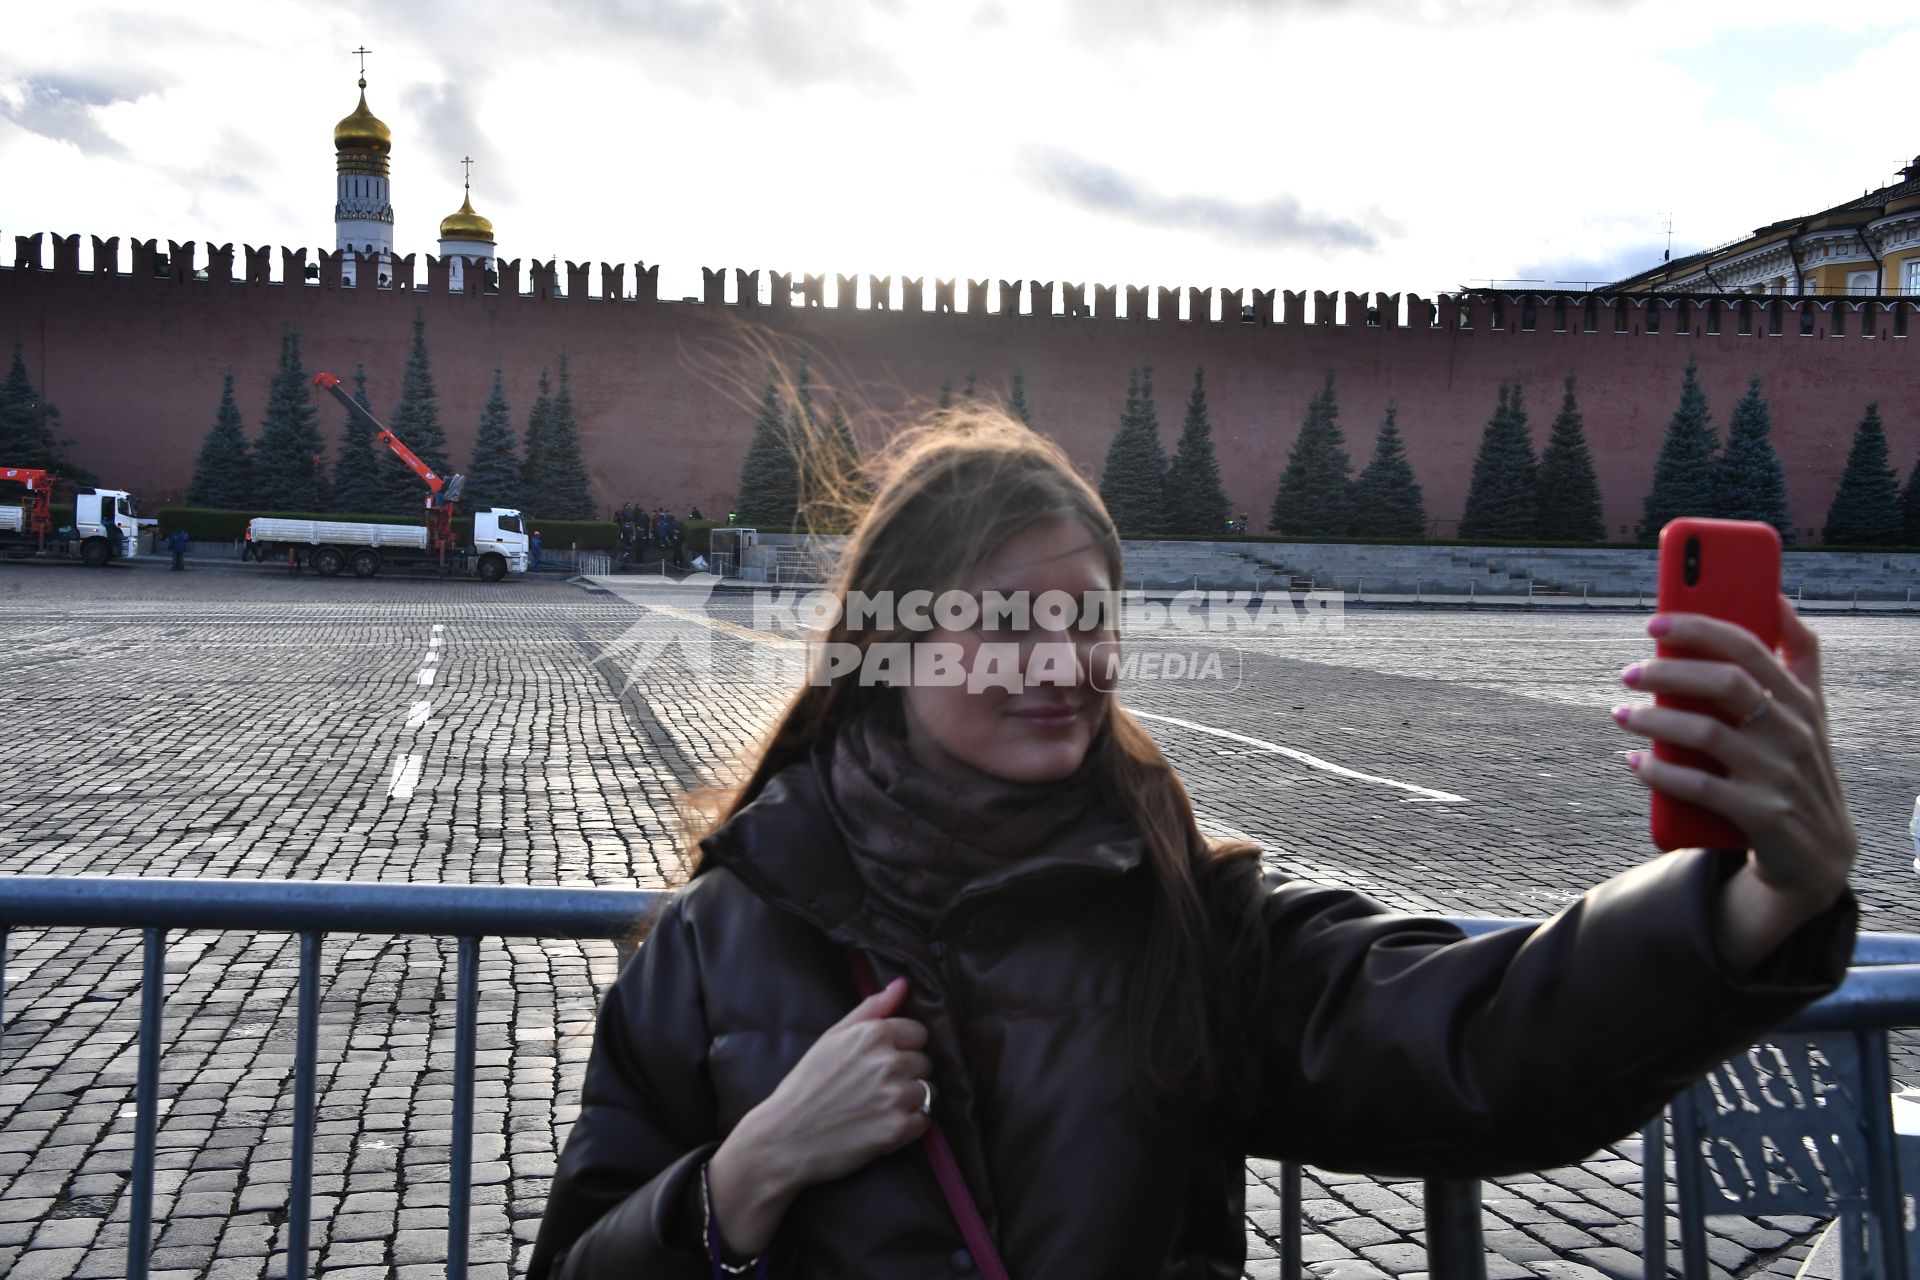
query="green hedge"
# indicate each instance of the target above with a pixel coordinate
(207, 524)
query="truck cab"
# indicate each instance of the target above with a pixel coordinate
(105, 525)
(502, 531)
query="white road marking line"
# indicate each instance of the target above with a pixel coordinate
(439, 626)
(433, 642)
(430, 659)
(417, 714)
(1426, 795)
(426, 676)
(406, 776)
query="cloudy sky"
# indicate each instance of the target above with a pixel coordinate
(1342, 144)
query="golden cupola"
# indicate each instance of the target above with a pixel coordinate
(363, 131)
(465, 224)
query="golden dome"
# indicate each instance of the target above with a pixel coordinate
(362, 131)
(465, 224)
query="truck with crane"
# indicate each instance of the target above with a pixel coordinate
(105, 526)
(329, 547)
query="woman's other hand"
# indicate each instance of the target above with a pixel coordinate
(856, 1095)
(1780, 788)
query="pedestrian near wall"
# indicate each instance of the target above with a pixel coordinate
(177, 544)
(989, 915)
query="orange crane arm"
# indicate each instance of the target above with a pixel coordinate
(384, 436)
(28, 476)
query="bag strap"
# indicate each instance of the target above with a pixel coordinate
(946, 1169)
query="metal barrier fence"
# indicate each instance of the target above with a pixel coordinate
(1880, 991)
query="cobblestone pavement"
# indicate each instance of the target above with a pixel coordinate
(243, 724)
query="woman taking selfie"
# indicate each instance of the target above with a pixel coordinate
(1100, 1014)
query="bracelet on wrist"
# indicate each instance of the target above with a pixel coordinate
(716, 1250)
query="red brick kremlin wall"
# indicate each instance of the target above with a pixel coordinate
(666, 390)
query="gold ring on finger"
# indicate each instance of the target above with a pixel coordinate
(1766, 705)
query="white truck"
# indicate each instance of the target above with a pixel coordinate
(105, 525)
(330, 547)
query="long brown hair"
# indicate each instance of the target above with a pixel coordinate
(951, 492)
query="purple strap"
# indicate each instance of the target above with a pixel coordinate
(953, 1183)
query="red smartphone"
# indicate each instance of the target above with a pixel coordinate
(1726, 569)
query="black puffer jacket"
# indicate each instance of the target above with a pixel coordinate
(1391, 1045)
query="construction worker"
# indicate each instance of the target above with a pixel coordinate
(177, 544)
(533, 545)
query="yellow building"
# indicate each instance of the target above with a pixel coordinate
(1867, 247)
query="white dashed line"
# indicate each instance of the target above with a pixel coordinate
(417, 714)
(1419, 794)
(426, 677)
(406, 776)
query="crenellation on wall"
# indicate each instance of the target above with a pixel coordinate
(1643, 316)
(543, 279)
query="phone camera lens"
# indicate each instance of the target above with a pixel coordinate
(1691, 562)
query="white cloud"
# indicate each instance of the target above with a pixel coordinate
(1349, 144)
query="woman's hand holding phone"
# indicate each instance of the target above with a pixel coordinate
(1780, 787)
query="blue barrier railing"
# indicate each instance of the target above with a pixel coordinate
(1881, 990)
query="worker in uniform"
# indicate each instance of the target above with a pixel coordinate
(533, 545)
(177, 544)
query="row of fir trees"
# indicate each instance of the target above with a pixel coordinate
(544, 472)
(1514, 494)
(796, 457)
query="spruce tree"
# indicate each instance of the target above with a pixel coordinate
(1386, 502)
(1312, 499)
(287, 457)
(564, 475)
(1502, 498)
(360, 467)
(1748, 481)
(1017, 402)
(1866, 508)
(846, 479)
(533, 456)
(223, 476)
(1196, 502)
(416, 424)
(946, 394)
(967, 389)
(1910, 507)
(493, 478)
(1569, 492)
(27, 436)
(1134, 482)
(1683, 477)
(769, 496)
